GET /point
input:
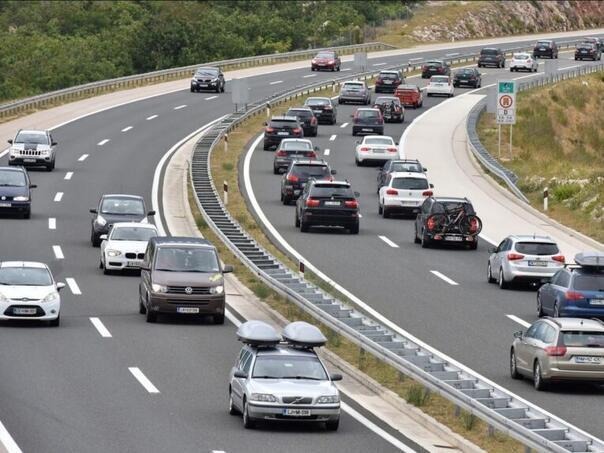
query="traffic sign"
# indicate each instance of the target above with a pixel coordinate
(506, 102)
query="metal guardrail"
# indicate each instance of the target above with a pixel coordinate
(96, 88)
(484, 156)
(466, 389)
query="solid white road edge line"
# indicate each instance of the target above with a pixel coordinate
(520, 321)
(142, 379)
(58, 252)
(445, 278)
(103, 142)
(152, 117)
(73, 286)
(68, 175)
(52, 223)
(379, 64)
(100, 327)
(7, 441)
(369, 310)
(389, 242)
(58, 196)
(83, 157)
(126, 129)
(309, 76)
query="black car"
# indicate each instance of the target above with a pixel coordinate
(291, 149)
(367, 121)
(392, 166)
(388, 81)
(491, 56)
(545, 48)
(467, 76)
(435, 67)
(597, 41)
(208, 79)
(391, 108)
(307, 119)
(114, 208)
(280, 127)
(587, 50)
(15, 193)
(447, 220)
(328, 203)
(299, 173)
(325, 109)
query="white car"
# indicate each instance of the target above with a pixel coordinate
(28, 291)
(403, 193)
(124, 247)
(375, 148)
(440, 85)
(523, 61)
(32, 148)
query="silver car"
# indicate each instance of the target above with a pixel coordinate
(275, 380)
(524, 258)
(355, 91)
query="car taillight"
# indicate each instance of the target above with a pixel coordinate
(427, 193)
(431, 223)
(297, 131)
(312, 203)
(514, 256)
(328, 107)
(313, 121)
(270, 129)
(281, 153)
(555, 351)
(311, 154)
(351, 204)
(559, 258)
(364, 149)
(392, 149)
(293, 178)
(392, 192)
(574, 295)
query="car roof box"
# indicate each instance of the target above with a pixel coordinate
(590, 259)
(258, 333)
(304, 335)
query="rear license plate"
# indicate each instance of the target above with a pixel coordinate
(453, 238)
(190, 310)
(537, 263)
(587, 359)
(542, 49)
(388, 82)
(584, 51)
(5, 205)
(439, 84)
(332, 203)
(282, 133)
(367, 129)
(297, 412)
(408, 203)
(596, 301)
(378, 151)
(24, 311)
(134, 264)
(29, 161)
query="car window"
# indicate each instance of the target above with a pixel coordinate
(549, 334)
(9, 178)
(310, 170)
(439, 79)
(407, 90)
(26, 276)
(368, 114)
(289, 367)
(530, 333)
(31, 137)
(441, 206)
(589, 282)
(406, 166)
(331, 191)
(353, 86)
(564, 280)
(246, 365)
(296, 146)
(583, 339)
(206, 73)
(488, 52)
(389, 75)
(117, 206)
(132, 234)
(385, 100)
(325, 55)
(434, 63)
(410, 183)
(521, 56)
(317, 101)
(543, 43)
(466, 71)
(242, 356)
(283, 123)
(300, 113)
(378, 141)
(536, 248)
(186, 259)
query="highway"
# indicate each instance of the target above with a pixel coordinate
(163, 387)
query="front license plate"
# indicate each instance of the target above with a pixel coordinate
(24, 311)
(134, 264)
(584, 51)
(596, 301)
(190, 310)
(29, 161)
(453, 238)
(542, 49)
(5, 205)
(203, 85)
(297, 412)
(537, 263)
(332, 203)
(587, 359)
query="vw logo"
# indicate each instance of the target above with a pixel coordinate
(189, 290)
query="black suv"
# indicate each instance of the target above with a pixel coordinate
(299, 173)
(392, 166)
(587, 50)
(467, 76)
(435, 67)
(325, 109)
(388, 81)
(280, 127)
(307, 119)
(545, 48)
(328, 203)
(208, 79)
(447, 220)
(15, 193)
(491, 56)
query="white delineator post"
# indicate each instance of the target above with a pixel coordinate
(268, 110)
(226, 142)
(545, 198)
(225, 188)
(301, 268)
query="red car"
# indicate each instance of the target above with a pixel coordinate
(410, 95)
(326, 59)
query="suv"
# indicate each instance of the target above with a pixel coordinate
(182, 275)
(491, 56)
(32, 148)
(559, 349)
(391, 108)
(324, 109)
(588, 50)
(467, 76)
(523, 258)
(403, 193)
(367, 121)
(114, 208)
(326, 59)
(307, 119)
(208, 79)
(280, 127)
(354, 91)
(299, 173)
(545, 48)
(435, 67)
(15, 193)
(447, 220)
(597, 41)
(391, 166)
(575, 291)
(328, 203)
(291, 149)
(388, 81)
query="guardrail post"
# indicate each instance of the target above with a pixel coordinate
(361, 358)
(268, 110)
(491, 431)
(545, 199)
(457, 411)
(301, 268)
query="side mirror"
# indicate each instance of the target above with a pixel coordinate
(333, 172)
(335, 377)
(240, 374)
(316, 148)
(518, 334)
(151, 213)
(33, 186)
(10, 141)
(103, 237)
(492, 249)
(425, 169)
(93, 211)
(60, 286)
(431, 186)
(53, 144)
(227, 269)
(357, 194)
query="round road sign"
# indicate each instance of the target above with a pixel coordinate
(506, 101)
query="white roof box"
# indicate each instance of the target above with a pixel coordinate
(303, 334)
(257, 333)
(590, 259)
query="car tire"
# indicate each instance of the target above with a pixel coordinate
(192, 90)
(354, 229)
(385, 213)
(275, 171)
(540, 312)
(265, 147)
(286, 200)
(218, 319)
(141, 307)
(333, 121)
(297, 220)
(429, 94)
(95, 240)
(416, 239)
(50, 166)
(232, 409)
(332, 425)
(303, 226)
(100, 264)
(490, 278)
(151, 316)
(222, 88)
(513, 368)
(106, 271)
(55, 322)
(538, 381)
(425, 242)
(501, 280)
(27, 213)
(380, 209)
(248, 423)
(340, 101)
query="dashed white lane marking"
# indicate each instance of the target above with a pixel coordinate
(389, 242)
(58, 252)
(452, 54)
(68, 175)
(126, 129)
(180, 107)
(332, 138)
(379, 64)
(58, 196)
(52, 223)
(7, 441)
(309, 76)
(98, 324)
(347, 69)
(520, 321)
(276, 82)
(212, 97)
(326, 152)
(344, 125)
(416, 59)
(73, 286)
(83, 157)
(102, 142)
(152, 117)
(445, 278)
(143, 380)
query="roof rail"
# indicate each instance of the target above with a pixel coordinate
(599, 320)
(554, 320)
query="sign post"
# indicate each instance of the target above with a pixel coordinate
(506, 107)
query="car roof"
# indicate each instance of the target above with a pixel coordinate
(355, 82)
(292, 140)
(319, 97)
(490, 48)
(149, 226)
(33, 131)
(545, 40)
(331, 183)
(408, 174)
(394, 98)
(122, 195)
(284, 350)
(531, 238)
(434, 61)
(34, 264)
(577, 323)
(389, 71)
(451, 199)
(180, 240)
(306, 109)
(371, 109)
(377, 136)
(520, 53)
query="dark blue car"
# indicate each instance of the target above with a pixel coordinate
(575, 291)
(15, 194)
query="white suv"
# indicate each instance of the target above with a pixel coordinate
(403, 193)
(32, 148)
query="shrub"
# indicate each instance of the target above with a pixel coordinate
(565, 191)
(418, 395)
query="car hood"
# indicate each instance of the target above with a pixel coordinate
(10, 191)
(187, 278)
(34, 146)
(127, 246)
(292, 387)
(30, 292)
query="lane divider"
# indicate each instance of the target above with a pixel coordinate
(326, 152)
(212, 97)
(344, 125)
(126, 129)
(58, 252)
(445, 278)
(276, 82)
(332, 138)
(389, 242)
(309, 76)
(103, 142)
(83, 157)
(52, 223)
(58, 196)
(68, 175)
(520, 321)
(7, 441)
(100, 327)
(180, 107)
(143, 380)
(73, 286)
(152, 117)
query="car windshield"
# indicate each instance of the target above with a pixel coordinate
(206, 73)
(25, 276)
(122, 206)
(304, 146)
(29, 137)
(537, 248)
(413, 167)
(325, 55)
(132, 234)
(585, 45)
(589, 282)
(186, 259)
(521, 56)
(439, 79)
(488, 52)
(583, 339)
(378, 141)
(12, 179)
(300, 113)
(409, 183)
(389, 75)
(353, 86)
(331, 191)
(310, 170)
(317, 101)
(288, 367)
(284, 124)
(441, 206)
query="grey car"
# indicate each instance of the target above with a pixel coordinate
(524, 258)
(282, 380)
(355, 91)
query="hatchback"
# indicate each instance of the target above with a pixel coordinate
(391, 166)
(410, 95)
(588, 51)
(367, 121)
(403, 193)
(355, 91)
(388, 81)
(467, 76)
(523, 61)
(326, 59)
(440, 85)
(491, 56)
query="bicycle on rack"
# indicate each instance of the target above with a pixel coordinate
(455, 220)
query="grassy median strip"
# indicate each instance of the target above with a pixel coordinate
(558, 143)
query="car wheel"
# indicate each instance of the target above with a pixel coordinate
(50, 166)
(538, 382)
(275, 171)
(265, 146)
(222, 88)
(232, 409)
(333, 121)
(416, 238)
(218, 319)
(556, 310)
(332, 425)
(429, 94)
(340, 101)
(513, 369)
(297, 220)
(380, 209)
(357, 162)
(248, 423)
(106, 271)
(55, 322)
(286, 200)
(385, 213)
(151, 316)
(490, 278)
(303, 226)
(94, 239)
(27, 213)
(141, 307)
(100, 264)
(502, 283)
(425, 242)
(539, 306)
(192, 90)
(354, 229)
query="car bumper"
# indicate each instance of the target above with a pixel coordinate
(30, 160)
(452, 238)
(318, 67)
(466, 82)
(437, 90)
(489, 62)
(317, 414)
(175, 303)
(14, 206)
(361, 99)
(385, 88)
(527, 67)
(585, 55)
(205, 86)
(364, 129)
(121, 263)
(518, 273)
(318, 218)
(574, 311)
(543, 54)
(402, 205)
(293, 192)
(375, 157)
(46, 311)
(573, 375)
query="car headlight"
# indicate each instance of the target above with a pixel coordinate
(145, 220)
(214, 80)
(101, 220)
(113, 253)
(158, 288)
(328, 399)
(264, 397)
(51, 297)
(21, 198)
(217, 289)
(194, 80)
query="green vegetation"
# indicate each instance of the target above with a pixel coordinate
(558, 143)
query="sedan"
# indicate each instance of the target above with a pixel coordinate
(326, 59)
(441, 85)
(124, 247)
(523, 61)
(375, 148)
(467, 76)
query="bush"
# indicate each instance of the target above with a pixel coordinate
(418, 395)
(565, 191)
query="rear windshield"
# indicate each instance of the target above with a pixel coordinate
(378, 141)
(287, 146)
(582, 339)
(488, 52)
(465, 71)
(589, 282)
(439, 79)
(407, 90)
(317, 101)
(389, 75)
(353, 86)
(26, 276)
(521, 56)
(412, 167)
(332, 191)
(440, 207)
(434, 63)
(409, 183)
(33, 138)
(300, 113)
(186, 259)
(310, 170)
(12, 179)
(368, 114)
(537, 248)
(284, 123)
(543, 43)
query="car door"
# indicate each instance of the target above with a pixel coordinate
(238, 384)
(495, 258)
(534, 346)
(523, 347)
(547, 292)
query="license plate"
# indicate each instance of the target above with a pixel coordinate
(316, 112)
(453, 238)
(297, 412)
(367, 129)
(408, 203)
(190, 310)
(282, 133)
(388, 82)
(29, 161)
(321, 64)
(537, 263)
(596, 301)
(587, 359)
(134, 264)
(5, 205)
(584, 51)
(542, 48)
(378, 151)
(332, 203)
(24, 311)
(203, 84)
(439, 84)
